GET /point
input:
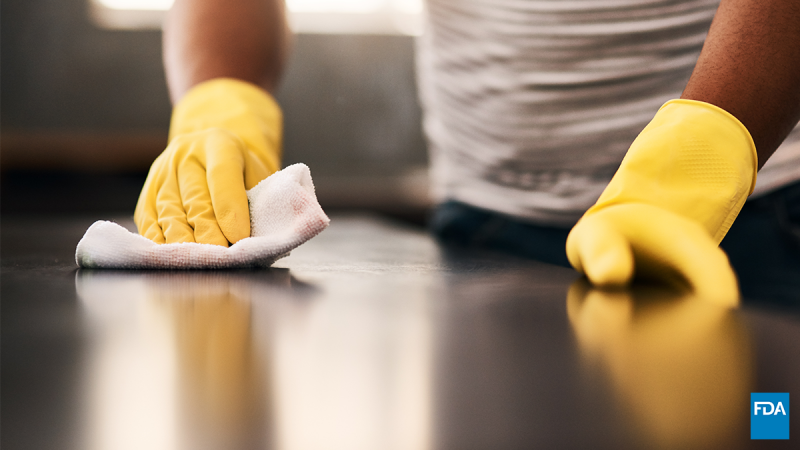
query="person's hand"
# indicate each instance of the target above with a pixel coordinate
(676, 194)
(225, 137)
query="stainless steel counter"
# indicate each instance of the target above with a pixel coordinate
(370, 336)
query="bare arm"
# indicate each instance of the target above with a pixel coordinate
(243, 39)
(750, 67)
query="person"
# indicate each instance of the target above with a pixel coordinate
(529, 107)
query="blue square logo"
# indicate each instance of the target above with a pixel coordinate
(769, 415)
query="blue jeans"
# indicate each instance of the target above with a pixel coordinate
(763, 244)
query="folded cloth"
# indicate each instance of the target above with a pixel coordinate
(284, 213)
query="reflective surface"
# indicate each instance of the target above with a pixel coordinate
(370, 336)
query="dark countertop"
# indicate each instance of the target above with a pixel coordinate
(370, 336)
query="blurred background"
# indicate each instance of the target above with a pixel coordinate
(85, 109)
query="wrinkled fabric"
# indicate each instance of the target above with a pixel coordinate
(284, 213)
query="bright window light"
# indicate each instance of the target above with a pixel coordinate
(137, 5)
(340, 6)
(305, 16)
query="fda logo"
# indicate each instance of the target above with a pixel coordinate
(769, 416)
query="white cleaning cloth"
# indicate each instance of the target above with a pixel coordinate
(284, 213)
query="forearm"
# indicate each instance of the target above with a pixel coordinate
(243, 39)
(750, 67)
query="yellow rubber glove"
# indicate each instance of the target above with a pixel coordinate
(225, 137)
(675, 195)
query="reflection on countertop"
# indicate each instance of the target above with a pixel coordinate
(210, 360)
(371, 335)
(678, 363)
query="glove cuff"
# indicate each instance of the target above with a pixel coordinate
(693, 159)
(242, 108)
(741, 130)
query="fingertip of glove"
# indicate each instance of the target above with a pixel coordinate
(152, 232)
(235, 226)
(572, 249)
(207, 232)
(602, 254)
(717, 283)
(234, 236)
(613, 268)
